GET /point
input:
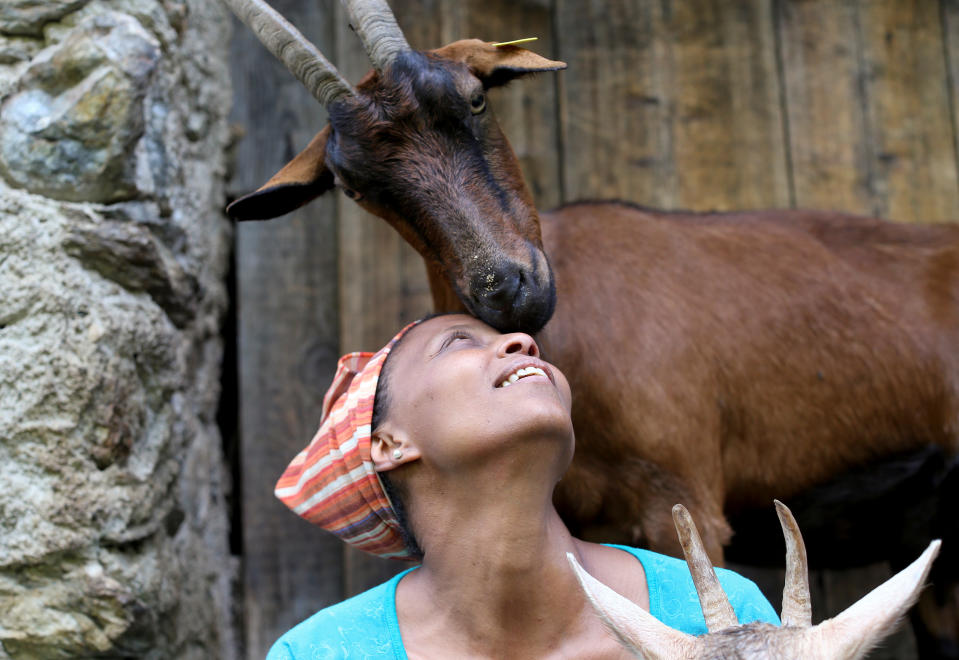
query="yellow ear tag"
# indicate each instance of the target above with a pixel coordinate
(516, 42)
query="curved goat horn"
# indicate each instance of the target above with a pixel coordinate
(797, 605)
(289, 46)
(635, 628)
(377, 28)
(717, 611)
(863, 624)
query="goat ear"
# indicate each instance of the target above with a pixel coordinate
(865, 623)
(497, 65)
(303, 179)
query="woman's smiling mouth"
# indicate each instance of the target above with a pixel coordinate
(523, 372)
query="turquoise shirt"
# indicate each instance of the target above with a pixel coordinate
(366, 625)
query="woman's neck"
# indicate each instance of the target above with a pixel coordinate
(495, 580)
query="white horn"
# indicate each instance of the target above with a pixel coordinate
(864, 624)
(636, 629)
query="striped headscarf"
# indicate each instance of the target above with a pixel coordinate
(332, 482)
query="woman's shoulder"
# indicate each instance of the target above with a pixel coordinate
(673, 598)
(360, 627)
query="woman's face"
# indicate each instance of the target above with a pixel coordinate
(459, 390)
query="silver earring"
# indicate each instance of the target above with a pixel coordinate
(397, 454)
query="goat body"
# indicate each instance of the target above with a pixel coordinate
(726, 359)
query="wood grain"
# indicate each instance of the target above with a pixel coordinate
(867, 93)
(526, 108)
(288, 340)
(729, 144)
(672, 104)
(950, 31)
(613, 102)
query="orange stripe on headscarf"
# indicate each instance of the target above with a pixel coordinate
(336, 468)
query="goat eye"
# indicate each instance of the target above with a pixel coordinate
(478, 103)
(352, 194)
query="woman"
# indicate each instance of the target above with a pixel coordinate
(469, 434)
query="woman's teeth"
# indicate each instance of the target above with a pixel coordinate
(526, 371)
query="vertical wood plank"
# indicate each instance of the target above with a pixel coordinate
(613, 109)
(949, 13)
(820, 54)
(869, 114)
(526, 109)
(909, 111)
(288, 338)
(729, 144)
(672, 104)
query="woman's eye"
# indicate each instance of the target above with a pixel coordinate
(478, 103)
(454, 337)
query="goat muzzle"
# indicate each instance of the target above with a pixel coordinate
(513, 297)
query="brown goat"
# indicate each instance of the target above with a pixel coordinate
(773, 352)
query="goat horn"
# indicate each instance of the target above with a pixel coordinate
(797, 605)
(289, 46)
(635, 628)
(377, 28)
(864, 623)
(717, 611)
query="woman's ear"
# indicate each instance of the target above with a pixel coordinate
(389, 449)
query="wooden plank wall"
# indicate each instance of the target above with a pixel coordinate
(288, 339)
(698, 104)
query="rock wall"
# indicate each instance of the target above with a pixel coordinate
(113, 250)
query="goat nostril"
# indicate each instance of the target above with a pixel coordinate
(500, 289)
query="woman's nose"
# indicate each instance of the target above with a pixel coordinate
(518, 342)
